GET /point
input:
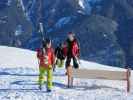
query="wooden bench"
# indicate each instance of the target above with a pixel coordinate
(100, 74)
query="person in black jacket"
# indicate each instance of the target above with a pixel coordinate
(59, 53)
(73, 53)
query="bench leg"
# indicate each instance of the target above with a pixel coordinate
(128, 73)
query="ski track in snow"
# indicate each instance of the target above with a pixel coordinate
(20, 82)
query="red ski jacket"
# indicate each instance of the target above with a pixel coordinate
(46, 59)
(75, 48)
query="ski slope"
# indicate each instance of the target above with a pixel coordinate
(19, 76)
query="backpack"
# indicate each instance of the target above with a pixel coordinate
(75, 48)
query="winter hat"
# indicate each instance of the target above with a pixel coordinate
(45, 42)
(71, 33)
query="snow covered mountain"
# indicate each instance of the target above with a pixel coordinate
(15, 29)
(19, 73)
(60, 17)
(104, 27)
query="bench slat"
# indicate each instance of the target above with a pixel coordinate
(99, 74)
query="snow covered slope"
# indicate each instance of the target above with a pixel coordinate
(14, 57)
(19, 75)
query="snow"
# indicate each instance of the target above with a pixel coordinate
(63, 21)
(19, 76)
(25, 10)
(9, 2)
(21, 3)
(19, 30)
(86, 5)
(81, 3)
(19, 58)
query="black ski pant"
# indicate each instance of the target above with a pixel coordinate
(75, 62)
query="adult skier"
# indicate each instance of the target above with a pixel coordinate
(73, 53)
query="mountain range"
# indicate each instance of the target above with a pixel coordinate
(103, 27)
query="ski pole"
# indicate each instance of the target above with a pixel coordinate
(41, 30)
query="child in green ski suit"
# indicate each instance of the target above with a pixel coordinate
(46, 60)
